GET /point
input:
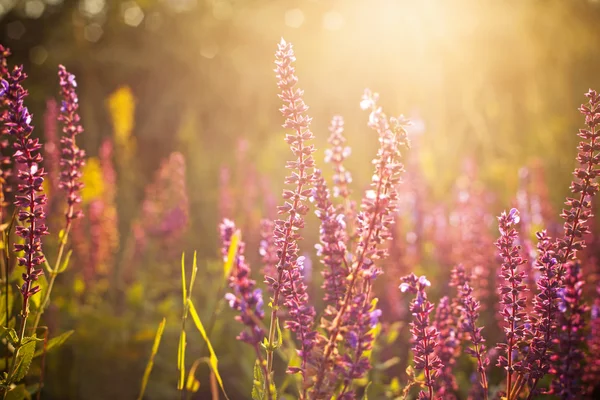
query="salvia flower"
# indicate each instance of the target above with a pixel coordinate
(585, 182)
(374, 223)
(361, 320)
(568, 361)
(332, 249)
(30, 199)
(72, 157)
(245, 297)
(445, 324)
(542, 321)
(295, 207)
(5, 154)
(424, 336)
(591, 376)
(336, 155)
(469, 310)
(511, 293)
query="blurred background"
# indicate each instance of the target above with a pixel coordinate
(180, 109)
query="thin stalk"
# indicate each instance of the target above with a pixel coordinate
(53, 275)
(6, 289)
(284, 255)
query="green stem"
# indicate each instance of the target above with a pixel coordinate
(53, 275)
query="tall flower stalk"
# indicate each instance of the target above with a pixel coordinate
(585, 182)
(286, 231)
(30, 198)
(71, 162)
(469, 310)
(424, 336)
(511, 294)
(336, 155)
(568, 362)
(373, 222)
(542, 320)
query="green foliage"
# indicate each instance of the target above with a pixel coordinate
(55, 343)
(259, 385)
(214, 361)
(23, 358)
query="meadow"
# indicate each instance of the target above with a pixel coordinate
(363, 256)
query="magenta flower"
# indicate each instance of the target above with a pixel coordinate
(568, 361)
(511, 293)
(424, 336)
(30, 198)
(332, 249)
(72, 157)
(288, 281)
(245, 297)
(445, 323)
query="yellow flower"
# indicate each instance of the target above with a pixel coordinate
(121, 105)
(92, 180)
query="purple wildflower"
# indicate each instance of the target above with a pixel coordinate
(30, 199)
(424, 335)
(568, 361)
(332, 249)
(542, 321)
(469, 310)
(72, 157)
(591, 376)
(511, 293)
(445, 324)
(245, 298)
(288, 281)
(5, 156)
(336, 155)
(360, 320)
(585, 182)
(374, 223)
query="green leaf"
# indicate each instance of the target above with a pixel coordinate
(55, 342)
(23, 359)
(63, 266)
(19, 392)
(233, 248)
(9, 333)
(214, 361)
(181, 360)
(183, 285)
(157, 338)
(259, 382)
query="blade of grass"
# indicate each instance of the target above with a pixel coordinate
(214, 361)
(231, 253)
(157, 338)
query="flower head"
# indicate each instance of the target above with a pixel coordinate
(30, 199)
(72, 157)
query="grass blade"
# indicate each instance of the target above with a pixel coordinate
(157, 338)
(214, 361)
(233, 247)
